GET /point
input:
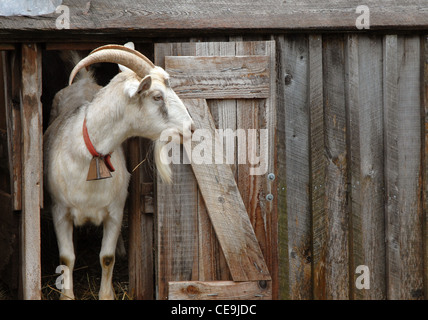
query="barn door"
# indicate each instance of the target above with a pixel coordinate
(216, 224)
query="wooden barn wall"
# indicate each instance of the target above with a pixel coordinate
(351, 165)
(351, 174)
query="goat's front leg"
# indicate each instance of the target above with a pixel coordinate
(64, 233)
(111, 232)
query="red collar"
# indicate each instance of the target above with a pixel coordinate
(92, 150)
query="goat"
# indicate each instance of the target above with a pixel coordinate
(137, 102)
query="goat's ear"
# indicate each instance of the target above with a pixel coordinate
(132, 88)
(123, 68)
(131, 46)
(144, 84)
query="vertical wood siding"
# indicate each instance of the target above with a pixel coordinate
(351, 115)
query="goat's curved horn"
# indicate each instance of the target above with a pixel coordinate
(120, 56)
(120, 47)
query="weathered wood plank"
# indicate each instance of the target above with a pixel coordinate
(140, 222)
(12, 83)
(257, 117)
(219, 77)
(424, 102)
(32, 169)
(225, 206)
(250, 185)
(9, 220)
(270, 184)
(283, 257)
(176, 226)
(403, 172)
(410, 182)
(176, 229)
(135, 263)
(9, 235)
(213, 265)
(390, 102)
(294, 67)
(336, 226)
(220, 290)
(364, 101)
(154, 18)
(318, 165)
(249, 113)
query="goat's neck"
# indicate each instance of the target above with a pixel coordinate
(106, 128)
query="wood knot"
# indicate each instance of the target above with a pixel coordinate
(287, 79)
(192, 290)
(262, 284)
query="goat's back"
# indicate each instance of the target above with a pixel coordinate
(74, 96)
(82, 91)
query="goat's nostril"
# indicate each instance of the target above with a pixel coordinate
(192, 127)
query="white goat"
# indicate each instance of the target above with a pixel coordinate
(134, 103)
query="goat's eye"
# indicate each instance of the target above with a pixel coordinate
(158, 97)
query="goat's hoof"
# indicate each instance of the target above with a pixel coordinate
(106, 295)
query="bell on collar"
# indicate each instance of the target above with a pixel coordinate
(98, 170)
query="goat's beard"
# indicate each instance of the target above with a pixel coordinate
(161, 161)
